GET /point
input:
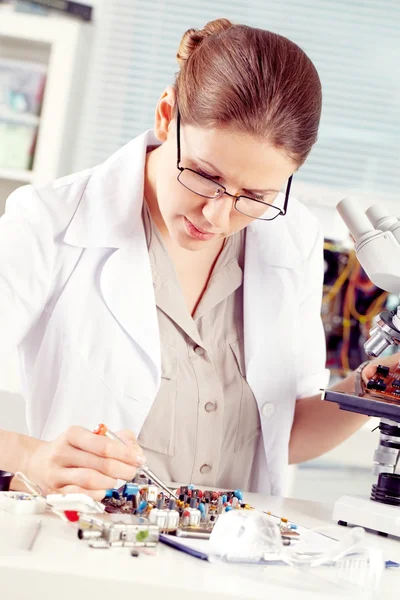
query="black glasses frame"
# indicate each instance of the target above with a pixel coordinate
(282, 211)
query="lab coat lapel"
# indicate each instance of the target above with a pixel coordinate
(270, 253)
(271, 260)
(109, 216)
(127, 288)
(263, 291)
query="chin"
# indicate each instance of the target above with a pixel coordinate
(184, 241)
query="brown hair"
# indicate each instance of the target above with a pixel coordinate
(251, 80)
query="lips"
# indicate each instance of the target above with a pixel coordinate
(202, 230)
(196, 233)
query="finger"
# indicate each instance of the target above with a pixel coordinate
(86, 440)
(368, 372)
(74, 489)
(388, 361)
(107, 466)
(83, 478)
(127, 436)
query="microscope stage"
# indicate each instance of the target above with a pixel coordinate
(363, 512)
(383, 408)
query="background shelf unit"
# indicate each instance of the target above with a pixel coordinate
(63, 45)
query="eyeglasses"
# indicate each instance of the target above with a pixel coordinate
(208, 188)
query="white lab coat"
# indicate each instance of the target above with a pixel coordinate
(76, 297)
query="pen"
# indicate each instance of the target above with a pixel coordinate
(103, 430)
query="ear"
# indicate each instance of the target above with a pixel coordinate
(164, 113)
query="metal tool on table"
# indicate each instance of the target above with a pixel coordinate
(103, 430)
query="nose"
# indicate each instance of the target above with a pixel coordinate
(217, 211)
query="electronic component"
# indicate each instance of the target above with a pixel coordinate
(382, 370)
(22, 503)
(105, 534)
(385, 385)
(195, 509)
(193, 515)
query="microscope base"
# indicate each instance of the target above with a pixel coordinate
(363, 512)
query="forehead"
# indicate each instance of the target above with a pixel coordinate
(237, 155)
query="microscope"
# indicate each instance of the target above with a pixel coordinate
(377, 243)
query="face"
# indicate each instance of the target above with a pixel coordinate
(239, 162)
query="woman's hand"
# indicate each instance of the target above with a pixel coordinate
(387, 361)
(79, 461)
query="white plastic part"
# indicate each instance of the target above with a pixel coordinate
(382, 219)
(378, 251)
(354, 217)
(361, 511)
(21, 503)
(78, 502)
(380, 258)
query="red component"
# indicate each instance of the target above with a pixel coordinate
(186, 513)
(72, 515)
(199, 494)
(214, 496)
(101, 430)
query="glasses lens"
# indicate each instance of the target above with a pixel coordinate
(200, 185)
(257, 210)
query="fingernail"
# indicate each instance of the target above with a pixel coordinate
(140, 460)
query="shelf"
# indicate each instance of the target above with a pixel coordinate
(62, 45)
(10, 116)
(17, 175)
(35, 28)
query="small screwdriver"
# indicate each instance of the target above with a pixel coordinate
(103, 430)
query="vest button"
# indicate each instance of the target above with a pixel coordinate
(210, 407)
(199, 350)
(204, 469)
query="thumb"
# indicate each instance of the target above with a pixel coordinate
(369, 371)
(391, 361)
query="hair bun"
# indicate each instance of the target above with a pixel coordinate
(192, 39)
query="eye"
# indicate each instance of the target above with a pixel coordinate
(208, 175)
(257, 197)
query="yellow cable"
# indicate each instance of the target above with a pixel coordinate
(337, 286)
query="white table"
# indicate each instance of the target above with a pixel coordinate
(62, 567)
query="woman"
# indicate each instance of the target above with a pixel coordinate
(173, 293)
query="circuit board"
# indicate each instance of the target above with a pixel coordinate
(385, 385)
(193, 514)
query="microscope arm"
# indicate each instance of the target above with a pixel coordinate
(377, 244)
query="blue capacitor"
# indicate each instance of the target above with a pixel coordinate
(292, 526)
(238, 494)
(228, 508)
(130, 489)
(191, 487)
(224, 499)
(142, 505)
(109, 493)
(202, 509)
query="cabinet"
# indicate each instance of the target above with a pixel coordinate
(62, 44)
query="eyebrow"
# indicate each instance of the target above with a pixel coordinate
(244, 189)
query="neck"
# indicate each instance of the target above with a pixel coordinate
(150, 190)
